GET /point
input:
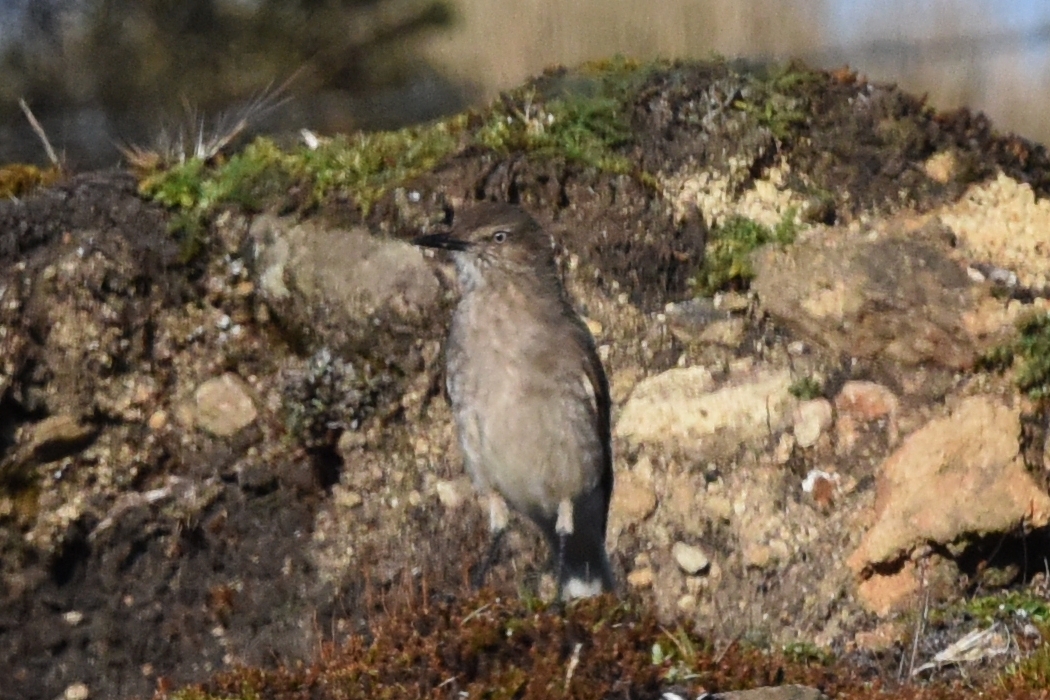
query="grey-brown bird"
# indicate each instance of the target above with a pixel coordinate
(529, 395)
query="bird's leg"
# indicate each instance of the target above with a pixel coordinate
(499, 516)
(563, 528)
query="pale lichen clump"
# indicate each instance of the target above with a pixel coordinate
(767, 201)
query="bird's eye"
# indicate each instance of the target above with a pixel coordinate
(499, 236)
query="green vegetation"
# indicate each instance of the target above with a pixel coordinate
(806, 388)
(364, 165)
(1033, 671)
(774, 101)
(678, 654)
(582, 117)
(727, 255)
(1028, 354)
(807, 653)
(1009, 606)
(581, 129)
(18, 180)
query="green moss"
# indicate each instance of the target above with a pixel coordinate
(582, 116)
(806, 388)
(1008, 606)
(363, 165)
(1034, 670)
(1033, 351)
(581, 129)
(18, 180)
(1028, 354)
(807, 653)
(774, 98)
(366, 165)
(679, 654)
(727, 255)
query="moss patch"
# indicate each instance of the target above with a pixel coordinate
(18, 180)
(806, 388)
(363, 165)
(581, 116)
(727, 255)
(1028, 354)
(775, 98)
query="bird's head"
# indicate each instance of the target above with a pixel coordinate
(493, 238)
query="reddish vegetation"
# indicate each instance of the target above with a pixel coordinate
(487, 647)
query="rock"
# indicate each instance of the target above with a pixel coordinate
(58, 436)
(718, 508)
(689, 320)
(729, 332)
(732, 301)
(690, 559)
(865, 401)
(757, 556)
(681, 408)
(885, 294)
(810, 419)
(1001, 222)
(633, 498)
(680, 504)
(884, 594)
(157, 420)
(779, 692)
(941, 167)
(880, 639)
(957, 476)
(345, 498)
(331, 282)
(223, 406)
(452, 494)
(860, 402)
(77, 691)
(784, 449)
(640, 578)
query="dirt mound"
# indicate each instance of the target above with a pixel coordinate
(222, 432)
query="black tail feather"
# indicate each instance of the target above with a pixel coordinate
(580, 560)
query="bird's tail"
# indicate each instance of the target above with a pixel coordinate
(580, 560)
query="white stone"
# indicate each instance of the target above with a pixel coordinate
(811, 419)
(691, 559)
(223, 405)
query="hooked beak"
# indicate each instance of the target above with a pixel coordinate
(443, 241)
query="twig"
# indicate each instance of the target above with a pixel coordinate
(732, 643)
(474, 614)
(573, 663)
(920, 625)
(39, 130)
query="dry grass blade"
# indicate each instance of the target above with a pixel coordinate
(194, 140)
(39, 131)
(975, 646)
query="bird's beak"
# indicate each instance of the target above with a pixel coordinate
(443, 241)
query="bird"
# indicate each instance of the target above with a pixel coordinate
(528, 392)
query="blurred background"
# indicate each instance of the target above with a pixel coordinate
(98, 73)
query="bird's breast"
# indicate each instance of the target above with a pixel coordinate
(525, 416)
